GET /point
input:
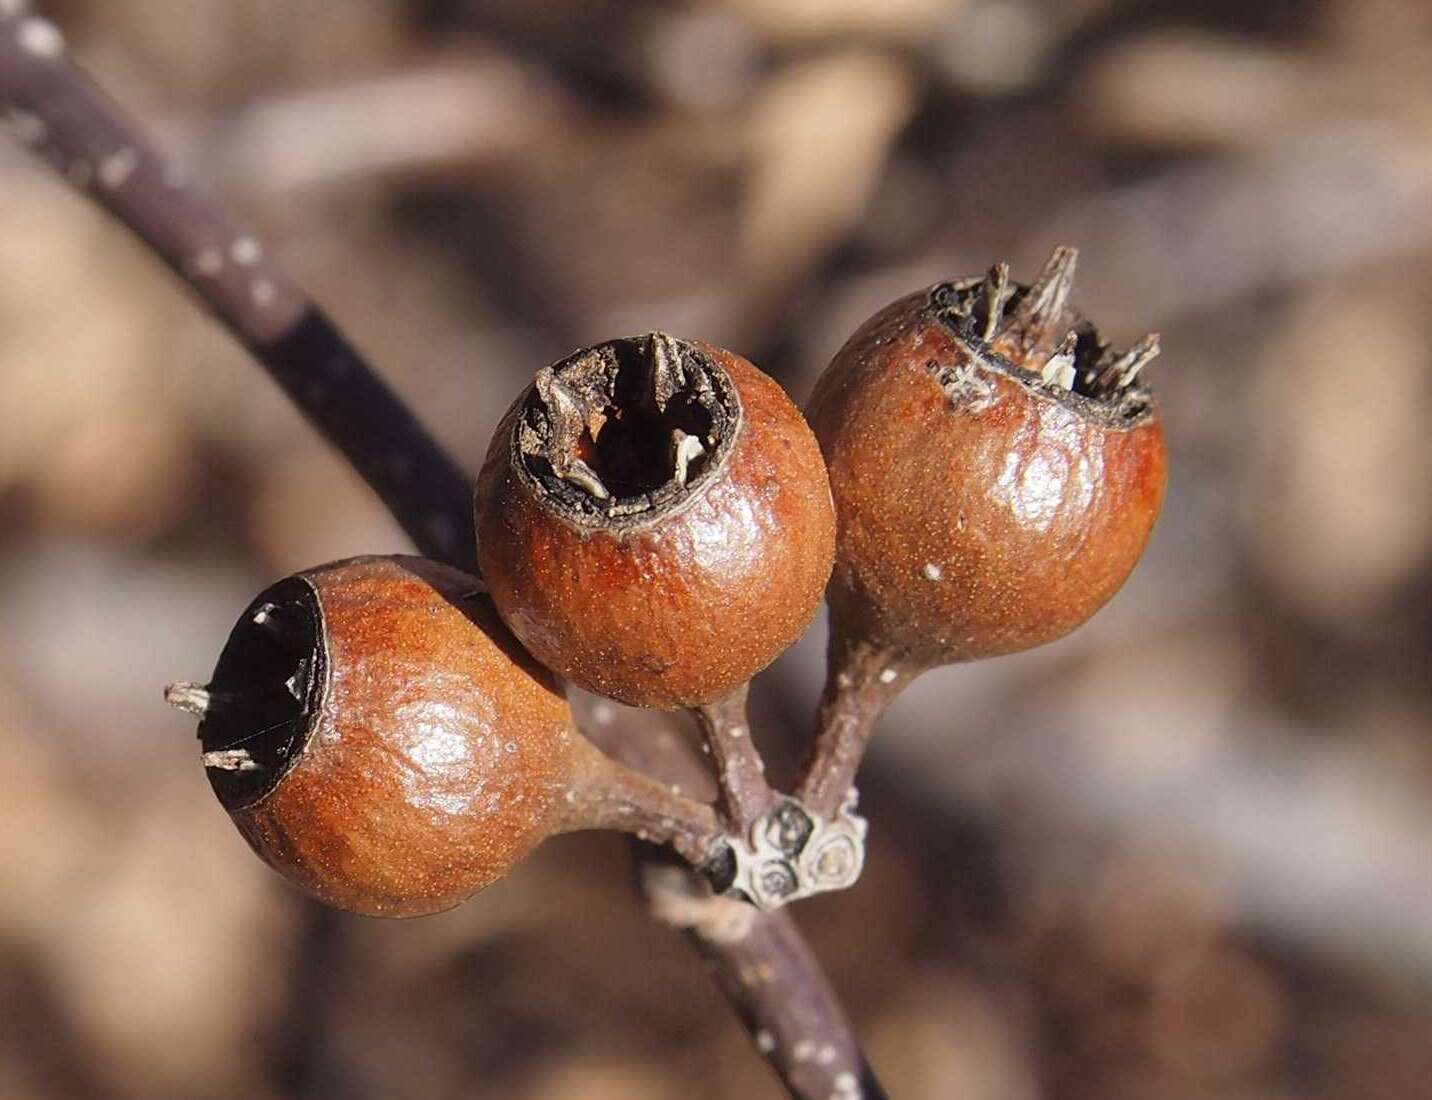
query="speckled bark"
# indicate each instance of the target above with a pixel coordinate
(57, 112)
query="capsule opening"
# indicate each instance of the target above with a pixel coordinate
(264, 695)
(625, 429)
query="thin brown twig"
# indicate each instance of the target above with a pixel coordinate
(740, 771)
(861, 681)
(763, 964)
(759, 959)
(767, 972)
(66, 120)
(630, 801)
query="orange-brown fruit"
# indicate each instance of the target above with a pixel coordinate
(382, 741)
(997, 469)
(654, 520)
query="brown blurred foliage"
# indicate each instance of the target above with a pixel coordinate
(1181, 854)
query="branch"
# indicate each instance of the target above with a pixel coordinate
(745, 794)
(759, 959)
(66, 120)
(861, 681)
(766, 970)
(628, 800)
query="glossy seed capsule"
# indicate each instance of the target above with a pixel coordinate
(654, 520)
(997, 469)
(381, 740)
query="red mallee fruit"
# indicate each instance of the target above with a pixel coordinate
(997, 469)
(381, 740)
(654, 520)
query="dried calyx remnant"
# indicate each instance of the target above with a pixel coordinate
(1033, 334)
(257, 712)
(622, 432)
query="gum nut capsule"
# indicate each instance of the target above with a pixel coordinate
(997, 468)
(654, 520)
(381, 740)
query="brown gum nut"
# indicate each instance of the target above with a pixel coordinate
(439, 754)
(694, 598)
(979, 512)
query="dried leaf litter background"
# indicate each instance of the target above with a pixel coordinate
(1181, 854)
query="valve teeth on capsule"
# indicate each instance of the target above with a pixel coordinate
(569, 419)
(565, 412)
(1033, 325)
(665, 368)
(1118, 371)
(1139, 356)
(995, 291)
(189, 697)
(685, 449)
(1059, 370)
(231, 760)
(584, 477)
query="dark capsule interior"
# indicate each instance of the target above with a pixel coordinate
(265, 693)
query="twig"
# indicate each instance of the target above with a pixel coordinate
(760, 960)
(766, 969)
(64, 118)
(768, 973)
(745, 794)
(632, 802)
(861, 681)
(776, 850)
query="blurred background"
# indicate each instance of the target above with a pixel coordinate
(1185, 853)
